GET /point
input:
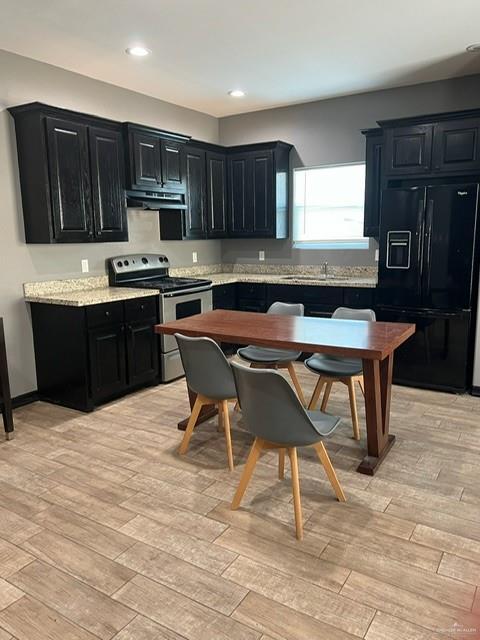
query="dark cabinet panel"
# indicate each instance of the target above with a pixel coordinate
(216, 195)
(145, 152)
(225, 296)
(173, 165)
(358, 298)
(70, 180)
(108, 197)
(240, 189)
(71, 174)
(196, 213)
(258, 191)
(456, 146)
(142, 353)
(408, 150)
(263, 196)
(107, 362)
(373, 183)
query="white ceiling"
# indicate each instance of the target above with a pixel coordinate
(279, 51)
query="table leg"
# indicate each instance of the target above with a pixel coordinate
(378, 388)
(206, 412)
(5, 397)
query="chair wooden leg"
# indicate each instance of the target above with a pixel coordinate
(296, 384)
(247, 473)
(281, 464)
(326, 396)
(191, 425)
(330, 471)
(353, 408)
(297, 504)
(316, 393)
(220, 423)
(223, 408)
(361, 385)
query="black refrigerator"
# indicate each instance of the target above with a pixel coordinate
(426, 276)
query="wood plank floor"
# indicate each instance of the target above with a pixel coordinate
(106, 533)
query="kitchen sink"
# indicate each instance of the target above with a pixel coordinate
(315, 278)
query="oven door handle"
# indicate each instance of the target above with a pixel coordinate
(176, 294)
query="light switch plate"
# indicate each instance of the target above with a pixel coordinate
(261, 256)
(194, 256)
(85, 267)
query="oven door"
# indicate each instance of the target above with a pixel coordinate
(178, 305)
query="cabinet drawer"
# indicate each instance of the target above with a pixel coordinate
(253, 305)
(108, 313)
(253, 290)
(358, 298)
(140, 309)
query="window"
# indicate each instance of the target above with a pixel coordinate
(328, 205)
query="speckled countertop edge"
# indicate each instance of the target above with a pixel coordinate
(87, 297)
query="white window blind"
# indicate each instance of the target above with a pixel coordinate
(328, 207)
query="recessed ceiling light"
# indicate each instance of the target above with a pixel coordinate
(236, 93)
(137, 51)
(474, 48)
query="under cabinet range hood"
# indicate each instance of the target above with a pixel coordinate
(154, 201)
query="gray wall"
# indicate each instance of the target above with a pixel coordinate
(24, 80)
(328, 132)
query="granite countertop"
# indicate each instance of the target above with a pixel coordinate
(82, 292)
(229, 278)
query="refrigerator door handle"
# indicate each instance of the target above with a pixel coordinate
(420, 232)
(428, 242)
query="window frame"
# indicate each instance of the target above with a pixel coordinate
(330, 244)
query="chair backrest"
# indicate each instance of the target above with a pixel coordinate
(286, 309)
(206, 368)
(344, 313)
(271, 408)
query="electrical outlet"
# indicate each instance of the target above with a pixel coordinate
(85, 267)
(261, 256)
(376, 255)
(194, 256)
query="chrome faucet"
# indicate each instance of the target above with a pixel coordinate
(325, 270)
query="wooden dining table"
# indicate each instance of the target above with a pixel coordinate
(372, 342)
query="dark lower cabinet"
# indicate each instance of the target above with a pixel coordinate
(88, 355)
(108, 370)
(142, 352)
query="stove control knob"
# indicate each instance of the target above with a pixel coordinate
(126, 263)
(160, 259)
(145, 260)
(120, 264)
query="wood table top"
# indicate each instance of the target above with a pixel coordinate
(345, 338)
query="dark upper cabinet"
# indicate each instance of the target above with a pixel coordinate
(107, 175)
(216, 168)
(195, 225)
(155, 159)
(71, 175)
(373, 182)
(258, 190)
(408, 150)
(456, 146)
(173, 165)
(145, 161)
(68, 166)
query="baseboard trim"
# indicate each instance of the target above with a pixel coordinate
(25, 398)
(475, 391)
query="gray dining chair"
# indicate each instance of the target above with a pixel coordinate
(277, 419)
(209, 375)
(267, 358)
(332, 369)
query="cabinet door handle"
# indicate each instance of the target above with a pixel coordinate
(107, 314)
